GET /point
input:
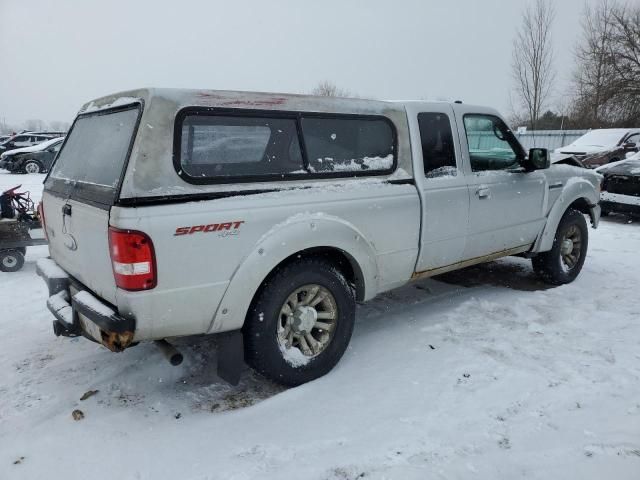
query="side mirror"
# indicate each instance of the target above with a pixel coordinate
(630, 146)
(539, 159)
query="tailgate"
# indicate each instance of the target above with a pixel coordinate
(80, 190)
(79, 242)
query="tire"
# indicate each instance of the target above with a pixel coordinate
(558, 266)
(274, 330)
(11, 260)
(32, 166)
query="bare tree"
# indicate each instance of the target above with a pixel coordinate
(326, 88)
(593, 76)
(625, 59)
(532, 60)
(607, 78)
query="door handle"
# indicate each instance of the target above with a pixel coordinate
(483, 192)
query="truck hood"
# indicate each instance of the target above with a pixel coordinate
(564, 173)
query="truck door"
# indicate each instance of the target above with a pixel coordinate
(442, 185)
(506, 203)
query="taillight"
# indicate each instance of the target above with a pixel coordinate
(42, 222)
(133, 259)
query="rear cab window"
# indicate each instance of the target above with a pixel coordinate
(222, 147)
(90, 165)
(438, 151)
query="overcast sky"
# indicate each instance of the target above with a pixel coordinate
(55, 55)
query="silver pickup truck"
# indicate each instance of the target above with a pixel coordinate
(266, 217)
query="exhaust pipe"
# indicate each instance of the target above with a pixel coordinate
(170, 352)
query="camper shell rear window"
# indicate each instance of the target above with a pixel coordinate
(223, 146)
(92, 160)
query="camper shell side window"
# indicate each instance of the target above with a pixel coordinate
(227, 146)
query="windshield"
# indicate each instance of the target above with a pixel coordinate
(599, 138)
(91, 162)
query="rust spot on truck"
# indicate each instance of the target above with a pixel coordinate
(116, 342)
(223, 101)
(470, 262)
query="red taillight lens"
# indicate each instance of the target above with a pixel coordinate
(42, 222)
(133, 259)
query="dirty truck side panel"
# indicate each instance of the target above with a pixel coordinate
(206, 273)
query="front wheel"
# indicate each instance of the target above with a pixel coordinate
(564, 261)
(11, 260)
(300, 323)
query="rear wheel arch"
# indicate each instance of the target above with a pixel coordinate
(343, 261)
(332, 239)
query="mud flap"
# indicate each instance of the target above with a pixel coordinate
(231, 356)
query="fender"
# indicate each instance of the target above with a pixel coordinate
(297, 233)
(574, 189)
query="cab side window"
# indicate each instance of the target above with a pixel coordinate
(438, 152)
(492, 146)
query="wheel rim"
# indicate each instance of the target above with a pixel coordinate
(571, 247)
(308, 320)
(32, 167)
(9, 261)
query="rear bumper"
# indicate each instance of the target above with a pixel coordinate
(78, 312)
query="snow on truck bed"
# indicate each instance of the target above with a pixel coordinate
(485, 373)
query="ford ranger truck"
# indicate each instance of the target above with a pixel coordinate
(264, 218)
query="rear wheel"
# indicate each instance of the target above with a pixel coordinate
(32, 166)
(11, 260)
(300, 323)
(564, 261)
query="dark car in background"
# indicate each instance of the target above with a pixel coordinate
(621, 187)
(35, 159)
(602, 146)
(27, 139)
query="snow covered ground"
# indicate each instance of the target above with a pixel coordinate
(485, 373)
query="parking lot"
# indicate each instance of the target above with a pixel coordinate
(483, 373)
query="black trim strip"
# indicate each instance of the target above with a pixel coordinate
(402, 181)
(195, 197)
(190, 197)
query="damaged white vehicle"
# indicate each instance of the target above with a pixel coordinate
(266, 217)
